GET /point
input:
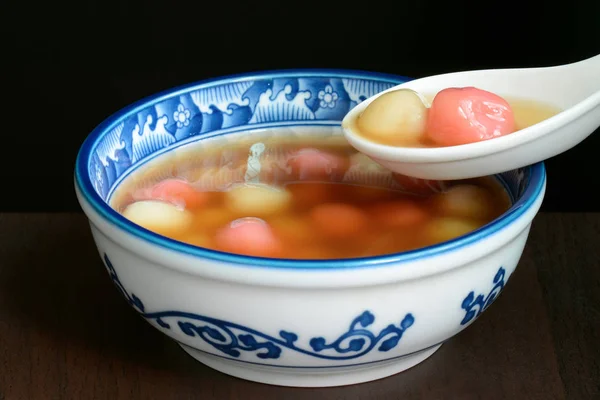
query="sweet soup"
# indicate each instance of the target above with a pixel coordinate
(456, 116)
(307, 196)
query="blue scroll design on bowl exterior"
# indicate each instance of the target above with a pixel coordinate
(233, 339)
(474, 306)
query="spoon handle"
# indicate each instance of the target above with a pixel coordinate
(591, 64)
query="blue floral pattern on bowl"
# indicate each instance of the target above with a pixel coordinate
(232, 339)
(474, 306)
(269, 99)
(265, 100)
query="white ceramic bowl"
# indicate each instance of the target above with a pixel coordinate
(287, 322)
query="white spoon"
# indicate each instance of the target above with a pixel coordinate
(574, 88)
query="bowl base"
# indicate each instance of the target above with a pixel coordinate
(304, 377)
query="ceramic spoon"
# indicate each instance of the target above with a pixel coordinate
(574, 88)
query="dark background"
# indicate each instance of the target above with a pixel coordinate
(67, 66)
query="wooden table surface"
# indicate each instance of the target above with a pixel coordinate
(66, 333)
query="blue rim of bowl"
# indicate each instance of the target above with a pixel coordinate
(537, 179)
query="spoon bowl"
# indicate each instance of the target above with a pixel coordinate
(574, 88)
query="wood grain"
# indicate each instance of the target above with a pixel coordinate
(65, 333)
(566, 254)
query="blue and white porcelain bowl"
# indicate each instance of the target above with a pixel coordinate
(277, 321)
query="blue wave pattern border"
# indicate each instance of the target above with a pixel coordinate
(220, 106)
(474, 306)
(233, 339)
(224, 105)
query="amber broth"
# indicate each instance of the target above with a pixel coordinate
(216, 165)
(526, 113)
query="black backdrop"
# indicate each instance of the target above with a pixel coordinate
(67, 66)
